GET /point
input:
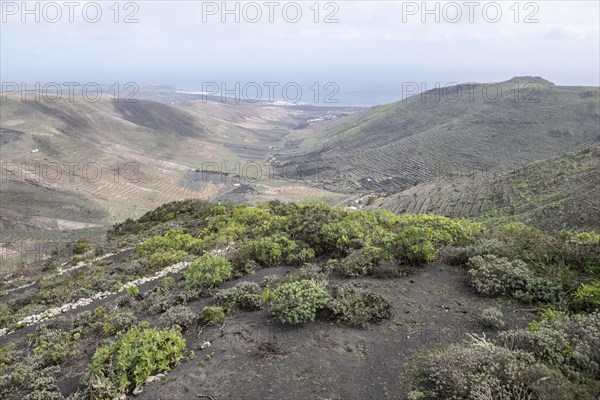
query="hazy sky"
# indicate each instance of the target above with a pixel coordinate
(373, 47)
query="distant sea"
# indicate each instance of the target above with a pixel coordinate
(335, 94)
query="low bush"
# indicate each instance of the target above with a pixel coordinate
(557, 359)
(52, 346)
(361, 262)
(245, 296)
(297, 302)
(495, 276)
(101, 322)
(172, 241)
(212, 315)
(270, 251)
(305, 255)
(357, 307)
(309, 271)
(161, 260)
(82, 247)
(568, 343)
(207, 271)
(161, 299)
(588, 296)
(181, 316)
(492, 318)
(120, 366)
(411, 246)
(443, 230)
(483, 370)
(461, 255)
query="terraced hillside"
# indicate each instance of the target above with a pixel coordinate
(559, 193)
(78, 165)
(460, 128)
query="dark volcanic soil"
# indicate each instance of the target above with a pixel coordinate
(321, 360)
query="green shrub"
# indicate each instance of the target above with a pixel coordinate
(6, 355)
(461, 255)
(120, 366)
(484, 370)
(442, 230)
(310, 271)
(495, 276)
(339, 238)
(305, 255)
(178, 315)
(588, 295)
(361, 262)
(413, 246)
(166, 259)
(207, 270)
(270, 251)
(52, 346)
(245, 296)
(82, 247)
(521, 235)
(297, 302)
(212, 315)
(101, 322)
(557, 360)
(266, 251)
(133, 291)
(492, 317)
(357, 307)
(172, 241)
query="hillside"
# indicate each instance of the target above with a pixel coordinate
(559, 193)
(461, 128)
(88, 165)
(304, 300)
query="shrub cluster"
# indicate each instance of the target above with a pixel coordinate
(587, 296)
(122, 365)
(245, 296)
(493, 318)
(297, 302)
(483, 246)
(102, 322)
(310, 271)
(361, 262)
(171, 241)
(181, 316)
(270, 251)
(161, 260)
(358, 307)
(212, 315)
(207, 271)
(495, 276)
(556, 360)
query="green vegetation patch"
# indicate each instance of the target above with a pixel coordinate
(122, 365)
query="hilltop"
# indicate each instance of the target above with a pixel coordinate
(472, 126)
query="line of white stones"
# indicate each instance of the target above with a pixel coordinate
(52, 312)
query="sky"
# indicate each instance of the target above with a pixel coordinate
(367, 49)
